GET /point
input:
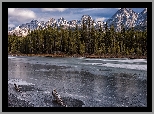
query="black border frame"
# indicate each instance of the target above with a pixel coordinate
(6, 5)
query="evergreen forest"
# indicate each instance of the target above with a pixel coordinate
(81, 41)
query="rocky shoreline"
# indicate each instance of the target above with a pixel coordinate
(32, 98)
(86, 56)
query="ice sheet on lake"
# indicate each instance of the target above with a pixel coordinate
(118, 63)
(91, 63)
(81, 57)
(130, 60)
(11, 57)
(119, 60)
(43, 70)
(138, 64)
(127, 66)
(19, 82)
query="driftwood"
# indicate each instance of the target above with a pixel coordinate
(17, 88)
(58, 98)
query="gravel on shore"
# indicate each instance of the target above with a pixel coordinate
(35, 98)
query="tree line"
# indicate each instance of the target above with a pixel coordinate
(81, 41)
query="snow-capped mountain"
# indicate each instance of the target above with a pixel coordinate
(32, 25)
(123, 17)
(86, 18)
(142, 18)
(22, 30)
(19, 31)
(11, 28)
(99, 24)
(128, 18)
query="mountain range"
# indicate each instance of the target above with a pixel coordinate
(125, 17)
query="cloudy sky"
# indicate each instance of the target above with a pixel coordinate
(18, 16)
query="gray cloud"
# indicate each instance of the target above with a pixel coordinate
(20, 14)
(100, 19)
(54, 9)
(11, 25)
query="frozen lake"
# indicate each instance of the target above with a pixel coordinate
(90, 82)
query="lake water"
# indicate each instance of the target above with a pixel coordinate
(95, 82)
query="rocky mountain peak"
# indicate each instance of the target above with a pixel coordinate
(123, 17)
(128, 18)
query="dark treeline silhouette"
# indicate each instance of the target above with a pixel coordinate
(84, 41)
